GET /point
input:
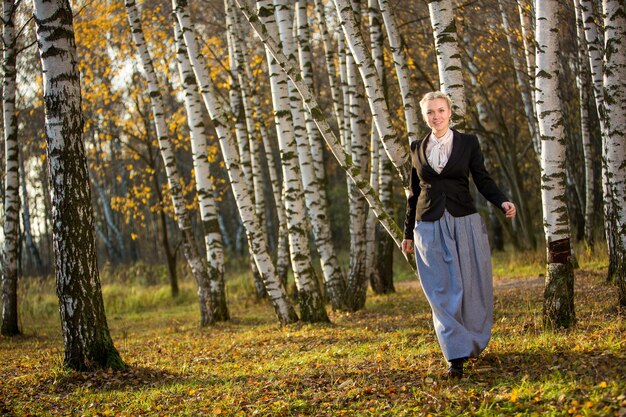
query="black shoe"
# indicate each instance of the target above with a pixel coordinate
(455, 371)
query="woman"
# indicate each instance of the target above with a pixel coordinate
(448, 236)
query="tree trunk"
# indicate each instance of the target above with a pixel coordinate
(253, 120)
(615, 102)
(294, 147)
(331, 140)
(217, 110)
(448, 57)
(11, 191)
(381, 116)
(356, 145)
(400, 61)
(584, 84)
(558, 307)
(312, 164)
(119, 250)
(371, 245)
(595, 50)
(331, 70)
(208, 210)
(28, 235)
(522, 80)
(208, 312)
(87, 341)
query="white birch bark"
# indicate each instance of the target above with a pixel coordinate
(293, 143)
(371, 245)
(208, 208)
(400, 62)
(356, 145)
(331, 140)
(11, 226)
(196, 263)
(313, 182)
(559, 286)
(584, 85)
(522, 79)
(381, 116)
(615, 101)
(218, 111)
(243, 135)
(87, 340)
(526, 12)
(595, 50)
(253, 112)
(448, 57)
(344, 129)
(306, 66)
(331, 70)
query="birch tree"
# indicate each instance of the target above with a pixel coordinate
(256, 123)
(313, 182)
(11, 184)
(584, 85)
(208, 210)
(28, 235)
(331, 69)
(331, 140)
(371, 257)
(400, 62)
(615, 101)
(208, 306)
(87, 341)
(595, 51)
(219, 114)
(558, 309)
(396, 150)
(522, 79)
(243, 134)
(448, 57)
(296, 162)
(356, 145)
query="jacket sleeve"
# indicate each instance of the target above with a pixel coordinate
(484, 183)
(411, 202)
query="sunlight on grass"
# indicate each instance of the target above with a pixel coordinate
(381, 361)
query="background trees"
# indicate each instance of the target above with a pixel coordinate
(482, 52)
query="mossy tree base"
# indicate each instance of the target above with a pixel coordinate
(558, 304)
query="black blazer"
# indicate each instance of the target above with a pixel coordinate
(431, 193)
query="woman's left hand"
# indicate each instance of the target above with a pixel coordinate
(509, 209)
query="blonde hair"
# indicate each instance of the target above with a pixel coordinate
(433, 95)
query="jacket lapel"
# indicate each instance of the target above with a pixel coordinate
(422, 155)
(457, 151)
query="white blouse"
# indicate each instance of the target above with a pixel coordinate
(438, 150)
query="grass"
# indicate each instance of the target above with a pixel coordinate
(383, 360)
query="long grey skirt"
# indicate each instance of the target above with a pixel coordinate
(454, 266)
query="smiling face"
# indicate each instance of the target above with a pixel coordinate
(437, 115)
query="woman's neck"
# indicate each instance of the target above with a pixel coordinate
(439, 134)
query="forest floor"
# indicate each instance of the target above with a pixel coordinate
(383, 360)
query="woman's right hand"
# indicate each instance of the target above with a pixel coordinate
(407, 246)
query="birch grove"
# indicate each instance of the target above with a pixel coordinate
(327, 133)
(209, 311)
(267, 136)
(218, 112)
(208, 209)
(381, 117)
